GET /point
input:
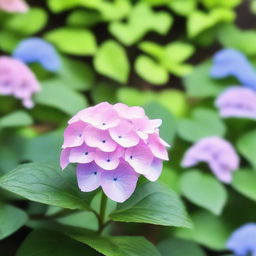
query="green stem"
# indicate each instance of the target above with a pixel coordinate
(103, 206)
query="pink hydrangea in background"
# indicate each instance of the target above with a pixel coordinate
(237, 102)
(113, 145)
(17, 79)
(13, 6)
(218, 153)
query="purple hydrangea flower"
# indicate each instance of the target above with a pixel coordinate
(243, 241)
(17, 79)
(38, 50)
(113, 145)
(218, 153)
(237, 102)
(230, 62)
(13, 6)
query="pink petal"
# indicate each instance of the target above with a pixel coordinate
(139, 157)
(143, 127)
(127, 112)
(64, 158)
(124, 135)
(99, 139)
(108, 160)
(119, 184)
(88, 176)
(157, 148)
(155, 170)
(13, 6)
(82, 154)
(74, 134)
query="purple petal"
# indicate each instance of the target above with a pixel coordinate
(127, 112)
(155, 170)
(64, 158)
(157, 148)
(82, 154)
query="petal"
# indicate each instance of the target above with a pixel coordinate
(88, 176)
(82, 154)
(64, 158)
(119, 184)
(157, 148)
(99, 139)
(127, 112)
(155, 170)
(108, 160)
(124, 135)
(74, 134)
(139, 157)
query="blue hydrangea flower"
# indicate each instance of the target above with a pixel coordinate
(243, 241)
(230, 62)
(38, 50)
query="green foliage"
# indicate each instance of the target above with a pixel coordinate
(203, 190)
(18, 118)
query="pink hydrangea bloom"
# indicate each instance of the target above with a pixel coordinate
(237, 102)
(218, 153)
(17, 79)
(113, 145)
(13, 6)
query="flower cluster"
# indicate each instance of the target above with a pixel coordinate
(237, 102)
(218, 153)
(243, 241)
(37, 50)
(13, 6)
(16, 79)
(113, 145)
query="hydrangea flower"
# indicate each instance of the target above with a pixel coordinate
(237, 102)
(113, 145)
(13, 6)
(243, 241)
(17, 79)
(38, 50)
(230, 62)
(218, 153)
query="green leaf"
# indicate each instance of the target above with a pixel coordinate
(246, 145)
(74, 41)
(243, 40)
(179, 247)
(55, 94)
(219, 3)
(27, 23)
(120, 245)
(244, 182)
(169, 126)
(150, 71)
(204, 190)
(140, 21)
(60, 5)
(155, 204)
(203, 223)
(184, 7)
(47, 184)
(104, 91)
(116, 67)
(199, 21)
(11, 219)
(51, 243)
(84, 18)
(9, 40)
(16, 119)
(204, 123)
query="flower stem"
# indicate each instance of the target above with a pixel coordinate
(102, 213)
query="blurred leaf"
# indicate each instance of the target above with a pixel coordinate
(220, 3)
(244, 182)
(60, 5)
(55, 94)
(76, 74)
(15, 119)
(74, 41)
(84, 18)
(203, 123)
(27, 23)
(205, 222)
(140, 21)
(243, 40)
(150, 71)
(184, 7)
(111, 60)
(179, 247)
(199, 21)
(246, 145)
(9, 159)
(104, 91)
(11, 219)
(9, 40)
(155, 204)
(51, 243)
(169, 125)
(47, 184)
(204, 190)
